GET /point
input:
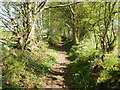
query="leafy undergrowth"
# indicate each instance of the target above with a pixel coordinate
(25, 69)
(90, 72)
(67, 43)
(54, 38)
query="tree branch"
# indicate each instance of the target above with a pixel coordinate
(40, 6)
(7, 40)
(61, 5)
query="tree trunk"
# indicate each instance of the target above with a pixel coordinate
(74, 29)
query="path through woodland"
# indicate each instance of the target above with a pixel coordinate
(59, 76)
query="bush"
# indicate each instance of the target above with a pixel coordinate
(89, 71)
(81, 68)
(25, 69)
(109, 75)
(67, 43)
(54, 38)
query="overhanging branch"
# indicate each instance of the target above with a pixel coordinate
(61, 5)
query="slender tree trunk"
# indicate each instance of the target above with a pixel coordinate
(74, 36)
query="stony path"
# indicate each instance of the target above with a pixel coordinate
(59, 76)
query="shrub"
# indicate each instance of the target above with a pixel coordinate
(89, 71)
(25, 68)
(54, 38)
(67, 43)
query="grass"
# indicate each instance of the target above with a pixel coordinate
(89, 71)
(24, 69)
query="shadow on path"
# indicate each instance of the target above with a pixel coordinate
(59, 76)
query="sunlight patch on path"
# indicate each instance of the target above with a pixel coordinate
(56, 79)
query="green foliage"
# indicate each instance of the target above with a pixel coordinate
(67, 43)
(109, 65)
(54, 38)
(81, 67)
(81, 73)
(4, 34)
(84, 49)
(110, 61)
(25, 68)
(82, 23)
(88, 69)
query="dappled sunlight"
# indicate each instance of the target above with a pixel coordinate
(66, 45)
(57, 78)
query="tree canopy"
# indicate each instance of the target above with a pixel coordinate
(32, 33)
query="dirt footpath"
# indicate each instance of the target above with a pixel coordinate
(59, 76)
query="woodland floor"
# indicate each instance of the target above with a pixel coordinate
(59, 76)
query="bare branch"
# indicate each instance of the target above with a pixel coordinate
(61, 5)
(3, 39)
(40, 6)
